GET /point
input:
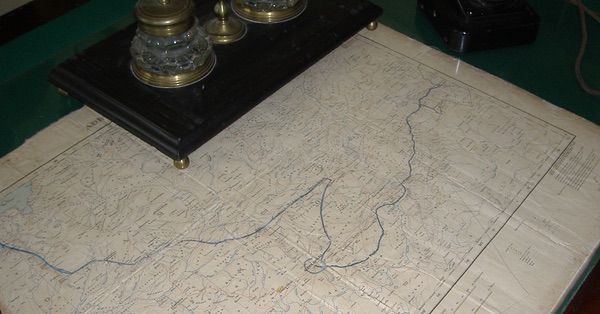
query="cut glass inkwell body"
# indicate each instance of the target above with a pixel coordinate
(170, 48)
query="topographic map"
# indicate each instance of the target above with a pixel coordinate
(370, 183)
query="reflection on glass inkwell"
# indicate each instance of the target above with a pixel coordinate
(170, 49)
(269, 11)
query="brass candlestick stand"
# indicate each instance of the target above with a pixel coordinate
(224, 28)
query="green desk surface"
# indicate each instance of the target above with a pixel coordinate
(28, 103)
(545, 68)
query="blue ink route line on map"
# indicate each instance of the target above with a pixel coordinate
(318, 264)
(259, 229)
(122, 263)
(312, 265)
(62, 270)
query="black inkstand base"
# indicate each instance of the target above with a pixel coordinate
(470, 25)
(177, 121)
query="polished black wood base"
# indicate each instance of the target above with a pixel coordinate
(178, 121)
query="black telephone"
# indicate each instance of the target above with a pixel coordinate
(469, 25)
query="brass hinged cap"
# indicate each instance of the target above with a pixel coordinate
(164, 18)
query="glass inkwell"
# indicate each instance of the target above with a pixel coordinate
(268, 11)
(170, 49)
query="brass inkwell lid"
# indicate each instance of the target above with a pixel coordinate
(164, 18)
